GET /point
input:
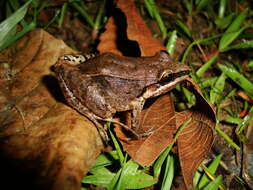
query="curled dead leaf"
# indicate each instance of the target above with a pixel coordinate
(161, 115)
(40, 136)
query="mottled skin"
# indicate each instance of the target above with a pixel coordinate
(99, 86)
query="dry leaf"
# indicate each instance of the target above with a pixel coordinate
(136, 31)
(161, 115)
(41, 137)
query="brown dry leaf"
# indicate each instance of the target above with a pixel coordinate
(43, 138)
(136, 30)
(161, 115)
(197, 138)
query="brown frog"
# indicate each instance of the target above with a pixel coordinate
(99, 86)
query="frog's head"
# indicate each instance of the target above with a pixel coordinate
(169, 68)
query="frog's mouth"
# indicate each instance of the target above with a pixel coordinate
(166, 84)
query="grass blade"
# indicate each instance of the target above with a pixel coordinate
(222, 8)
(202, 4)
(233, 31)
(208, 82)
(228, 38)
(117, 147)
(169, 173)
(171, 44)
(243, 124)
(238, 78)
(11, 39)
(7, 25)
(184, 28)
(200, 72)
(212, 169)
(214, 185)
(103, 177)
(225, 21)
(217, 91)
(196, 42)
(243, 45)
(149, 8)
(152, 8)
(235, 25)
(227, 138)
(83, 13)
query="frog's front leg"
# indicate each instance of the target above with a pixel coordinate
(138, 105)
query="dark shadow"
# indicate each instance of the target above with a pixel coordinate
(15, 175)
(126, 46)
(53, 87)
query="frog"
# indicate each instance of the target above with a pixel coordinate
(99, 86)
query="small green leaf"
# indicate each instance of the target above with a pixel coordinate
(129, 168)
(236, 24)
(191, 99)
(7, 25)
(105, 159)
(200, 72)
(117, 147)
(83, 12)
(171, 44)
(197, 177)
(202, 4)
(140, 180)
(149, 8)
(212, 169)
(222, 8)
(207, 82)
(246, 44)
(169, 173)
(238, 78)
(228, 38)
(214, 185)
(245, 122)
(233, 31)
(233, 120)
(188, 5)
(227, 138)
(225, 21)
(155, 13)
(184, 28)
(199, 41)
(115, 179)
(101, 179)
(159, 162)
(217, 91)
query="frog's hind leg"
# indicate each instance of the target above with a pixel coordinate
(123, 125)
(92, 117)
